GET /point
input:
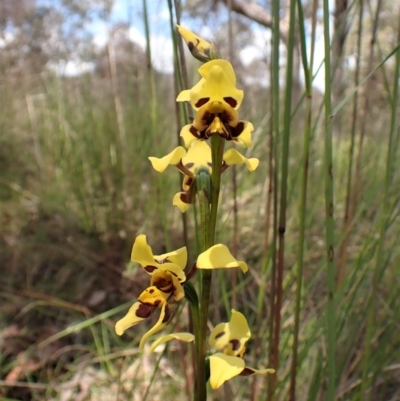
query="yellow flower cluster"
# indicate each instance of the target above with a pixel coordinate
(216, 101)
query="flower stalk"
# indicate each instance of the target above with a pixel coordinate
(216, 100)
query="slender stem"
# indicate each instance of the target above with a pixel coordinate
(329, 222)
(348, 214)
(385, 217)
(208, 217)
(303, 197)
(275, 143)
(283, 185)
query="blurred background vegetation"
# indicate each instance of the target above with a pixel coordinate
(78, 119)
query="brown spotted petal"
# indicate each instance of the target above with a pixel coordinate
(230, 338)
(164, 318)
(153, 296)
(136, 314)
(206, 115)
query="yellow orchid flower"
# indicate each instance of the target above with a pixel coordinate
(227, 341)
(200, 48)
(216, 100)
(189, 162)
(167, 276)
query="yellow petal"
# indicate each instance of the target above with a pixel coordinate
(223, 368)
(186, 337)
(173, 157)
(218, 256)
(225, 65)
(162, 280)
(161, 323)
(142, 253)
(198, 155)
(153, 296)
(243, 137)
(231, 337)
(232, 156)
(217, 88)
(179, 257)
(179, 292)
(199, 47)
(184, 96)
(187, 136)
(176, 201)
(136, 314)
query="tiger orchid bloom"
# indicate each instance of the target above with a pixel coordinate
(198, 156)
(216, 100)
(227, 342)
(167, 277)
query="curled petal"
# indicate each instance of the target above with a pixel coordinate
(242, 134)
(173, 157)
(136, 314)
(161, 323)
(232, 156)
(186, 337)
(177, 201)
(223, 368)
(153, 296)
(231, 337)
(142, 253)
(218, 256)
(216, 88)
(179, 257)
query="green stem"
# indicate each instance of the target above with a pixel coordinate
(329, 222)
(303, 197)
(208, 219)
(384, 223)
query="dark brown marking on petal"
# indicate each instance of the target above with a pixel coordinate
(247, 372)
(189, 181)
(150, 269)
(202, 101)
(220, 334)
(209, 164)
(174, 274)
(191, 46)
(194, 132)
(167, 316)
(236, 131)
(151, 291)
(235, 344)
(144, 311)
(231, 101)
(161, 283)
(188, 165)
